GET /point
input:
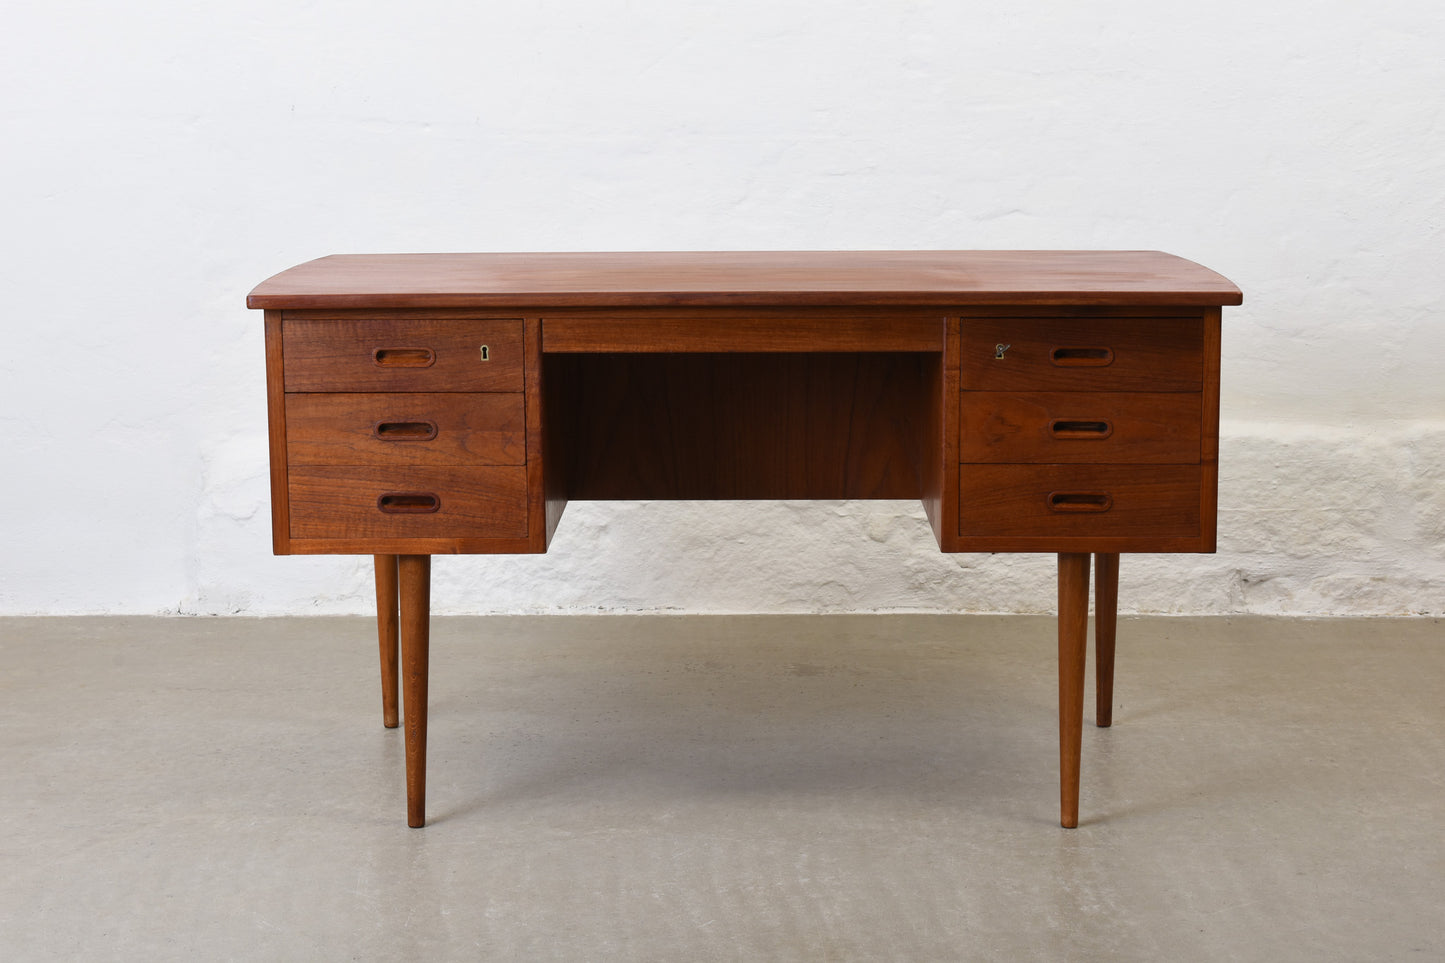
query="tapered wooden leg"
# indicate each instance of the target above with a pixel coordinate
(1106, 624)
(415, 595)
(386, 633)
(1073, 647)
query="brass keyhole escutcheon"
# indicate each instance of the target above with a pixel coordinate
(998, 351)
(485, 353)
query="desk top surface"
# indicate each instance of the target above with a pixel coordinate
(744, 279)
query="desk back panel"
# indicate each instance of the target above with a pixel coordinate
(740, 425)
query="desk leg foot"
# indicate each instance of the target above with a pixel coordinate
(415, 596)
(1073, 647)
(386, 632)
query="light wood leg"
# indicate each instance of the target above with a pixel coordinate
(386, 632)
(1073, 647)
(1106, 624)
(415, 597)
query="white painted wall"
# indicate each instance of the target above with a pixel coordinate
(162, 157)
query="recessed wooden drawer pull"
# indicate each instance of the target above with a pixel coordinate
(1066, 430)
(404, 357)
(405, 430)
(1082, 357)
(1080, 501)
(408, 503)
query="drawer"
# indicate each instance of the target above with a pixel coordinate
(1082, 354)
(405, 428)
(1103, 501)
(402, 354)
(369, 501)
(1079, 427)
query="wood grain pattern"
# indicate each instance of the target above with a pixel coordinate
(715, 331)
(340, 355)
(1073, 649)
(413, 545)
(1106, 627)
(932, 437)
(387, 634)
(1079, 427)
(348, 428)
(558, 405)
(414, 577)
(544, 507)
(1209, 440)
(1149, 354)
(340, 501)
(1076, 312)
(1050, 544)
(276, 433)
(939, 424)
(744, 278)
(726, 426)
(1154, 501)
(946, 528)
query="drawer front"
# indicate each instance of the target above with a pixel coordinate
(1079, 427)
(1077, 354)
(402, 428)
(425, 502)
(402, 354)
(1079, 501)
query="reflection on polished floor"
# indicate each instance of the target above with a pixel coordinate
(721, 788)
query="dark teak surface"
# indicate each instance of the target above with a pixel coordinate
(744, 278)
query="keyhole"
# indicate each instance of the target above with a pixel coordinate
(999, 349)
(485, 353)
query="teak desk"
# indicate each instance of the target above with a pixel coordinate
(1035, 401)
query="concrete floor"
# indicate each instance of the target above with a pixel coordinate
(707, 788)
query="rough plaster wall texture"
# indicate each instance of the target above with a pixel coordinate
(162, 157)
